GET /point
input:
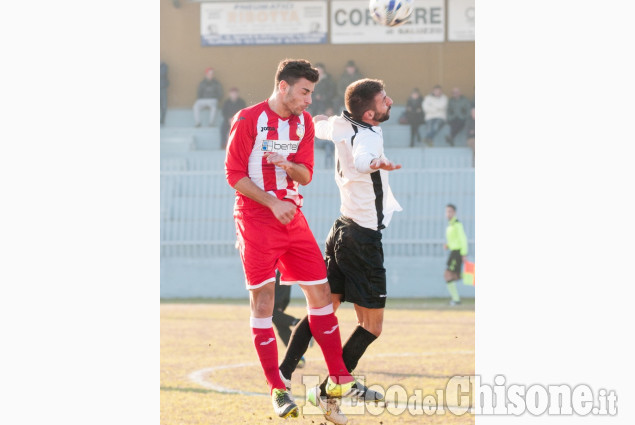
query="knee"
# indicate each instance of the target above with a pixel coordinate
(324, 294)
(262, 309)
(374, 328)
(318, 296)
(262, 306)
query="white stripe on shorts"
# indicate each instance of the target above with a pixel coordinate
(303, 282)
(271, 279)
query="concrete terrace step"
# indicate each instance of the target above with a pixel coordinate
(204, 138)
(177, 144)
(184, 117)
(180, 123)
(409, 158)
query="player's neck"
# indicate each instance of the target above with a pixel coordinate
(277, 106)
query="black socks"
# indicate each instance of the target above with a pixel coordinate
(353, 350)
(298, 344)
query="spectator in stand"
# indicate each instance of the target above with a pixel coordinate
(209, 93)
(164, 91)
(414, 115)
(350, 75)
(324, 93)
(230, 107)
(471, 125)
(435, 107)
(458, 113)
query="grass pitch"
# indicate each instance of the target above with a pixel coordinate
(210, 372)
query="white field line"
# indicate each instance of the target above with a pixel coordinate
(198, 377)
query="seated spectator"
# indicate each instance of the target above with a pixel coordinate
(435, 107)
(414, 115)
(230, 107)
(351, 73)
(458, 112)
(471, 125)
(324, 93)
(164, 91)
(209, 93)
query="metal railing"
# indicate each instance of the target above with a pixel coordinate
(197, 208)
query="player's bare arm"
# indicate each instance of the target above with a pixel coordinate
(282, 210)
(297, 172)
(384, 164)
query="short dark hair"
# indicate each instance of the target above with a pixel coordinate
(291, 70)
(451, 206)
(360, 96)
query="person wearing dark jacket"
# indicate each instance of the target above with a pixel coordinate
(230, 107)
(458, 114)
(414, 115)
(164, 91)
(324, 93)
(471, 126)
(350, 75)
(209, 93)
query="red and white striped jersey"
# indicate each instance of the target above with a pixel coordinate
(256, 130)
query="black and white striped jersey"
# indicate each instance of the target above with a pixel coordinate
(365, 194)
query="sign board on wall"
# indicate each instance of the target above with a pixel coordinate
(461, 20)
(351, 22)
(264, 22)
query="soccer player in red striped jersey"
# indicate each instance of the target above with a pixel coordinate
(269, 155)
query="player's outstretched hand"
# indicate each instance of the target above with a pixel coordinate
(384, 164)
(319, 118)
(284, 211)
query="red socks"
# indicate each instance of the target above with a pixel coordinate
(326, 331)
(267, 349)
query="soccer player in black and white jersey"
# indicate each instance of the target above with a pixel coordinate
(354, 253)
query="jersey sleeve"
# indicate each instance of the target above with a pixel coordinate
(367, 147)
(239, 146)
(324, 129)
(305, 153)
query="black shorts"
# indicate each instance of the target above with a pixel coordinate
(455, 262)
(355, 264)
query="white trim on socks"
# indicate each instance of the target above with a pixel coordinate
(261, 322)
(324, 311)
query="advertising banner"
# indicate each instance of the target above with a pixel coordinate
(275, 22)
(461, 20)
(352, 23)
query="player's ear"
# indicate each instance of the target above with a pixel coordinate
(283, 86)
(368, 115)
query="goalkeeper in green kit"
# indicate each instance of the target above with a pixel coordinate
(456, 242)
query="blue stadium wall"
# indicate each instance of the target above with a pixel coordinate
(198, 257)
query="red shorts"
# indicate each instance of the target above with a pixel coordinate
(265, 245)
